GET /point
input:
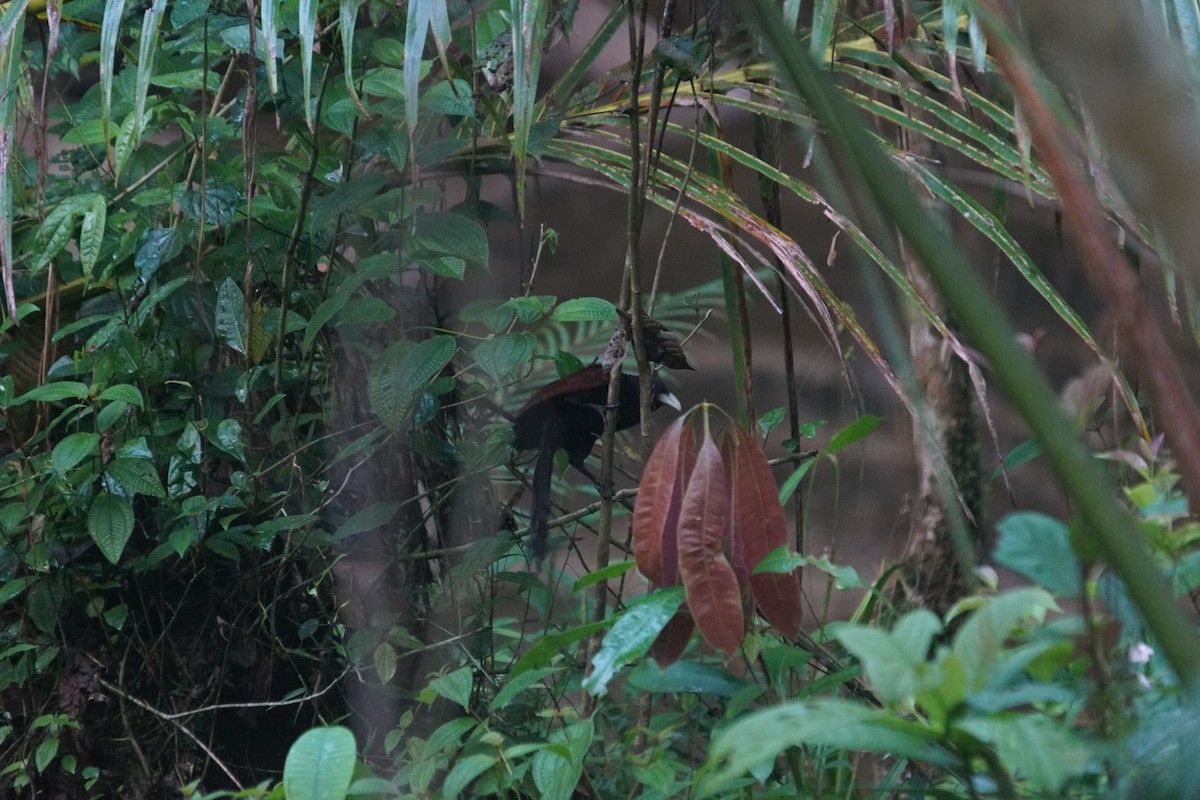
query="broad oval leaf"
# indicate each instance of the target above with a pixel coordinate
(1039, 547)
(319, 764)
(585, 309)
(124, 391)
(447, 234)
(229, 437)
(455, 686)
(231, 315)
(713, 595)
(632, 635)
(757, 527)
(110, 524)
(135, 475)
(500, 355)
(465, 770)
(401, 375)
(73, 449)
(385, 661)
(558, 767)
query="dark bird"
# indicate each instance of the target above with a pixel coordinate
(568, 414)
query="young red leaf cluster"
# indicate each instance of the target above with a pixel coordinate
(705, 518)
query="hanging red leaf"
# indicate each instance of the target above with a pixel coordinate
(673, 639)
(757, 526)
(660, 495)
(711, 587)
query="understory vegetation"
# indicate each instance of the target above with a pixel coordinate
(275, 293)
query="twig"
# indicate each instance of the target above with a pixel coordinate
(142, 704)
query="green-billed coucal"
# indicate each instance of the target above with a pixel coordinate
(568, 414)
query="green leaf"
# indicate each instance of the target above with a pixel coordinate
(231, 315)
(56, 231)
(45, 754)
(631, 636)
(846, 577)
(455, 686)
(758, 738)
(852, 433)
(158, 246)
(115, 617)
(402, 373)
(514, 686)
(556, 776)
(529, 34)
(445, 234)
(319, 765)
(895, 662)
(684, 676)
(1023, 453)
(110, 29)
(108, 416)
(185, 11)
(110, 524)
(73, 449)
(368, 519)
(123, 391)
(533, 308)
(12, 588)
(585, 309)
(53, 392)
(613, 570)
(567, 363)
(1039, 547)
(465, 770)
(496, 316)
(979, 642)
(385, 660)
(229, 437)
(1040, 749)
(345, 199)
(135, 475)
(500, 355)
(451, 98)
(547, 647)
(216, 205)
(45, 600)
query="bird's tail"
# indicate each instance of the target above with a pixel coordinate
(543, 471)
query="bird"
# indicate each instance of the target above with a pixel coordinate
(568, 414)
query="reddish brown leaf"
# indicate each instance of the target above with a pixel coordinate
(656, 513)
(709, 582)
(757, 526)
(673, 639)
